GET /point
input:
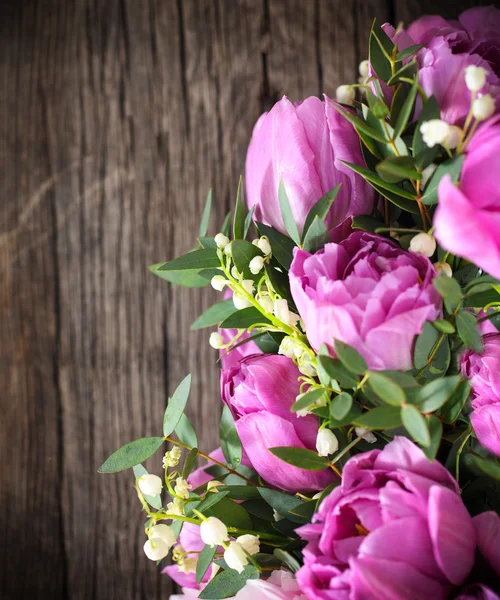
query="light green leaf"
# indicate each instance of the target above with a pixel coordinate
(397, 168)
(229, 438)
(189, 279)
(307, 399)
(416, 424)
(244, 318)
(451, 167)
(381, 417)
(205, 216)
(131, 454)
(444, 326)
(320, 209)
(226, 224)
(316, 237)
(468, 330)
(290, 561)
(341, 405)
(214, 315)
(287, 215)
(205, 559)
(434, 394)
(350, 358)
(239, 214)
(196, 260)
(228, 583)
(185, 432)
(176, 405)
(387, 389)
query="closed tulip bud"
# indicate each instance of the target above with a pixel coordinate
(236, 557)
(150, 485)
(216, 340)
(345, 94)
(256, 265)
(366, 434)
(264, 246)
(213, 532)
(475, 78)
(423, 243)
(250, 543)
(326, 442)
(434, 132)
(443, 268)
(483, 107)
(218, 282)
(221, 240)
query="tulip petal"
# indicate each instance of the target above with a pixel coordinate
(486, 423)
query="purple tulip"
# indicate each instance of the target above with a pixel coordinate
(467, 219)
(483, 370)
(366, 292)
(260, 392)
(450, 47)
(395, 528)
(303, 145)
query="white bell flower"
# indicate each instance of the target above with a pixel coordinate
(213, 532)
(326, 442)
(423, 243)
(236, 557)
(150, 485)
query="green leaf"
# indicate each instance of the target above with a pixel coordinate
(444, 326)
(396, 199)
(211, 500)
(422, 153)
(405, 71)
(451, 167)
(214, 315)
(282, 246)
(381, 417)
(316, 237)
(176, 405)
(228, 583)
(398, 101)
(239, 214)
(424, 344)
(386, 389)
(330, 368)
(360, 125)
(436, 432)
(154, 501)
(269, 342)
(196, 260)
(240, 492)
(244, 318)
(307, 399)
(406, 109)
(189, 279)
(305, 510)
(350, 417)
(453, 407)
(397, 168)
(229, 438)
(340, 406)
(205, 215)
(416, 424)
(242, 253)
(350, 358)
(248, 221)
(480, 466)
(372, 178)
(280, 283)
(366, 223)
(320, 209)
(207, 242)
(226, 224)
(131, 454)
(205, 559)
(185, 432)
(449, 289)
(434, 394)
(468, 330)
(378, 107)
(287, 215)
(230, 513)
(290, 561)
(300, 457)
(380, 48)
(282, 503)
(189, 463)
(409, 51)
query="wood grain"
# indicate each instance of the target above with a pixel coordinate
(116, 117)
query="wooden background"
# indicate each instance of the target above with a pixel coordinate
(116, 116)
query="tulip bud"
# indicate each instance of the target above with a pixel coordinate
(326, 442)
(483, 107)
(216, 340)
(345, 94)
(249, 543)
(443, 268)
(434, 132)
(182, 488)
(213, 532)
(264, 246)
(475, 78)
(256, 265)
(235, 557)
(150, 485)
(155, 549)
(366, 434)
(221, 240)
(423, 243)
(240, 302)
(218, 282)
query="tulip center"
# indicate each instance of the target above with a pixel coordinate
(361, 530)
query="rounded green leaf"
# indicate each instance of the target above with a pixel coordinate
(131, 454)
(387, 389)
(416, 424)
(350, 358)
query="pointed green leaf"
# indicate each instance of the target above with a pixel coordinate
(409, 51)
(229, 438)
(416, 424)
(423, 157)
(451, 167)
(405, 71)
(287, 215)
(290, 561)
(214, 315)
(321, 208)
(176, 405)
(205, 216)
(435, 393)
(350, 358)
(300, 457)
(248, 221)
(359, 124)
(468, 330)
(131, 454)
(381, 417)
(239, 214)
(341, 405)
(196, 260)
(436, 432)
(228, 583)
(226, 224)
(397, 168)
(307, 399)
(204, 561)
(282, 246)
(406, 110)
(244, 318)
(316, 237)
(453, 407)
(185, 432)
(380, 51)
(189, 279)
(242, 253)
(189, 463)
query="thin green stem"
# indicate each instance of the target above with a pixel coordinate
(345, 450)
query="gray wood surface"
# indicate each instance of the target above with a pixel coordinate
(116, 117)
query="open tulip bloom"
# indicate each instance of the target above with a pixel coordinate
(358, 335)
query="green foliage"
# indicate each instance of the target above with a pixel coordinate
(468, 330)
(244, 318)
(350, 358)
(451, 167)
(229, 438)
(196, 260)
(240, 211)
(282, 246)
(205, 559)
(205, 215)
(189, 463)
(316, 237)
(287, 214)
(242, 253)
(189, 279)
(307, 399)
(227, 583)
(386, 389)
(341, 406)
(176, 405)
(154, 501)
(185, 432)
(416, 424)
(300, 457)
(131, 454)
(320, 209)
(214, 315)
(381, 417)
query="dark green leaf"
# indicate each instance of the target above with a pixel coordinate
(154, 501)
(320, 209)
(204, 561)
(350, 417)
(244, 318)
(381, 417)
(380, 48)
(230, 513)
(214, 315)
(334, 369)
(449, 289)
(228, 583)
(360, 125)
(240, 492)
(416, 424)
(452, 409)
(434, 394)
(287, 214)
(374, 179)
(341, 405)
(307, 399)
(405, 71)
(436, 431)
(196, 260)
(269, 343)
(280, 283)
(468, 330)
(305, 510)
(211, 500)
(410, 206)
(205, 216)
(239, 214)
(300, 457)
(176, 405)
(424, 344)
(406, 110)
(483, 466)
(366, 223)
(282, 503)
(189, 279)
(185, 432)
(378, 107)
(131, 454)
(398, 102)
(444, 326)
(422, 153)
(350, 358)
(387, 389)
(409, 51)
(316, 237)
(207, 242)
(282, 246)
(229, 438)
(226, 224)
(242, 253)
(189, 463)
(451, 167)
(248, 222)
(397, 168)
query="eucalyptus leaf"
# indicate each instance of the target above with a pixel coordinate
(387, 389)
(436, 432)
(453, 407)
(131, 454)
(435, 393)
(381, 417)
(227, 583)
(300, 457)
(341, 405)
(451, 167)
(189, 463)
(205, 215)
(282, 246)
(176, 405)
(307, 399)
(189, 278)
(350, 358)
(214, 315)
(185, 432)
(398, 168)
(287, 214)
(468, 330)
(204, 561)
(229, 438)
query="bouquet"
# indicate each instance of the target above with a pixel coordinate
(359, 343)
